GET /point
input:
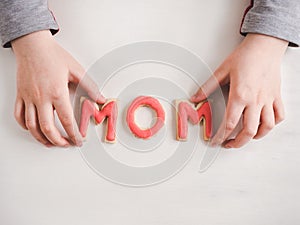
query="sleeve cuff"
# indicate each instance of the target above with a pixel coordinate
(283, 25)
(31, 20)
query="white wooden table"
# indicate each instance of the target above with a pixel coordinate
(258, 184)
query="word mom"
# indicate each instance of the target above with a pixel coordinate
(185, 112)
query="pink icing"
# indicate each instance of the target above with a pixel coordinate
(148, 102)
(186, 111)
(109, 110)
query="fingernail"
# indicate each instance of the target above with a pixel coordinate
(79, 143)
(227, 146)
(216, 142)
(194, 98)
(101, 99)
(213, 144)
(67, 144)
(48, 145)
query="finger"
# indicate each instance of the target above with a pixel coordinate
(46, 121)
(79, 75)
(267, 122)
(65, 114)
(211, 84)
(231, 119)
(32, 125)
(20, 112)
(278, 111)
(92, 89)
(250, 126)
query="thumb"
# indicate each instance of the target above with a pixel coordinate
(213, 82)
(79, 75)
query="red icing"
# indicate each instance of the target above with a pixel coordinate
(109, 110)
(186, 111)
(148, 102)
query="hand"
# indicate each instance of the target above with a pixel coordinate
(44, 71)
(253, 71)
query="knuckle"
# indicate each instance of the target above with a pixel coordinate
(230, 125)
(31, 125)
(57, 94)
(68, 124)
(203, 87)
(72, 136)
(36, 93)
(45, 127)
(280, 118)
(269, 126)
(56, 143)
(239, 145)
(220, 72)
(243, 95)
(39, 139)
(17, 115)
(67, 121)
(249, 132)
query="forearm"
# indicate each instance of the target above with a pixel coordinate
(277, 18)
(21, 17)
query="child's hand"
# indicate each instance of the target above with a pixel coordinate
(44, 71)
(253, 70)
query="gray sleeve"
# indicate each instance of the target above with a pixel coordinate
(21, 17)
(277, 18)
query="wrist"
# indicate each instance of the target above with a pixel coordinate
(265, 43)
(30, 42)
